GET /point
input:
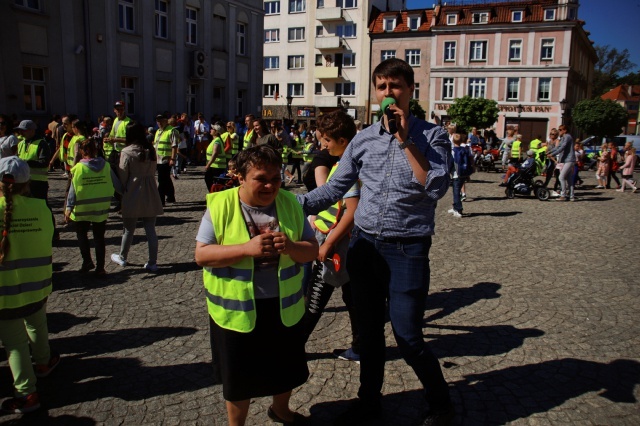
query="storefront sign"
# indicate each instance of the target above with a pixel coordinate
(267, 113)
(306, 112)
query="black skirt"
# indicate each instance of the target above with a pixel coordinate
(269, 360)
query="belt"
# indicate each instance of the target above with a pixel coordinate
(395, 240)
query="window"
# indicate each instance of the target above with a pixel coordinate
(347, 4)
(515, 50)
(269, 90)
(240, 95)
(319, 30)
(318, 89)
(192, 97)
(271, 62)
(318, 59)
(544, 89)
(319, 4)
(572, 13)
(549, 14)
(128, 93)
(125, 15)
(241, 33)
(345, 89)
(349, 60)
(296, 34)
(297, 6)
(220, 42)
(346, 31)
(162, 19)
(513, 89)
(389, 24)
(29, 4)
(449, 50)
(295, 89)
(416, 90)
(272, 8)
(447, 88)
(477, 87)
(34, 89)
(412, 56)
(516, 16)
(480, 17)
(414, 23)
(295, 62)
(387, 54)
(271, 36)
(452, 19)
(546, 53)
(478, 51)
(191, 33)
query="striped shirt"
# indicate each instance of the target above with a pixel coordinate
(393, 203)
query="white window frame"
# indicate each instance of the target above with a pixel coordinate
(414, 22)
(416, 90)
(297, 6)
(389, 24)
(347, 30)
(515, 46)
(241, 38)
(450, 47)
(319, 30)
(544, 81)
(298, 33)
(319, 59)
(448, 88)
(347, 4)
(126, 15)
(452, 18)
(161, 29)
(413, 57)
(517, 15)
(272, 7)
(349, 85)
(349, 60)
(295, 90)
(547, 47)
(28, 4)
(35, 88)
(477, 87)
(317, 86)
(128, 93)
(480, 18)
(387, 54)
(269, 90)
(512, 81)
(272, 35)
(271, 63)
(319, 4)
(191, 25)
(473, 50)
(295, 62)
(550, 14)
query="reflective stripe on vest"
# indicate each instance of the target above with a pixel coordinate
(71, 154)
(221, 160)
(235, 145)
(64, 150)
(29, 152)
(307, 154)
(247, 139)
(93, 193)
(162, 142)
(327, 219)
(25, 274)
(229, 290)
(515, 149)
(285, 154)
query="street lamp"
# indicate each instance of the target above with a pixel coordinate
(520, 108)
(289, 101)
(563, 107)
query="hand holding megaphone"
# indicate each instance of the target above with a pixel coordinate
(392, 127)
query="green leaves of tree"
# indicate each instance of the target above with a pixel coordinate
(599, 117)
(468, 112)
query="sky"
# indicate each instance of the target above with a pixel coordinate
(612, 22)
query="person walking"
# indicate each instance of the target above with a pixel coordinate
(216, 160)
(403, 175)
(166, 143)
(566, 156)
(628, 167)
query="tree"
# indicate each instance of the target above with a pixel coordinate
(599, 117)
(414, 107)
(609, 68)
(468, 112)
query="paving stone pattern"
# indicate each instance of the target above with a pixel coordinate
(532, 311)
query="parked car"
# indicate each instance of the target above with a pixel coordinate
(634, 139)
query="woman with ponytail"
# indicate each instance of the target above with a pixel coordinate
(25, 284)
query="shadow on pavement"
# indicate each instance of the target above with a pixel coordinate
(494, 214)
(449, 300)
(41, 417)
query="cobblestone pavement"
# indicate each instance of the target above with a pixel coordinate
(533, 313)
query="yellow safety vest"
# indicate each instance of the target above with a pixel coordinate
(220, 162)
(64, 151)
(247, 139)
(25, 274)
(229, 290)
(71, 154)
(30, 153)
(93, 193)
(328, 219)
(307, 154)
(121, 133)
(515, 149)
(285, 154)
(298, 142)
(162, 142)
(535, 144)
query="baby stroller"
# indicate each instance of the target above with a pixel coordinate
(522, 183)
(220, 183)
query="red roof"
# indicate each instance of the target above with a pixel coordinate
(624, 92)
(499, 13)
(402, 21)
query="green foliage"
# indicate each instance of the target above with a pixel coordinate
(468, 112)
(414, 108)
(599, 117)
(609, 69)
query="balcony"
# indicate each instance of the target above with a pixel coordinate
(329, 14)
(325, 101)
(326, 72)
(332, 42)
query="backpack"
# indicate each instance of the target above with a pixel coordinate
(463, 161)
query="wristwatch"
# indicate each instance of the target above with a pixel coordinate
(407, 143)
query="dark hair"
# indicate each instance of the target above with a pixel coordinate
(81, 126)
(393, 67)
(263, 125)
(88, 148)
(136, 136)
(257, 156)
(338, 124)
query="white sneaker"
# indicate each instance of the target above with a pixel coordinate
(151, 267)
(116, 258)
(451, 211)
(456, 214)
(554, 193)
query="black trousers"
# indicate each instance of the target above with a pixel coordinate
(82, 231)
(165, 185)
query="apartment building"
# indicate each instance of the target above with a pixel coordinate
(316, 57)
(158, 55)
(629, 97)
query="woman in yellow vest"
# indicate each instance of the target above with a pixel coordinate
(252, 242)
(88, 202)
(25, 284)
(216, 159)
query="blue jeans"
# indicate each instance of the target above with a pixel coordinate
(457, 189)
(397, 271)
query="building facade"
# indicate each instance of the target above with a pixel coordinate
(628, 96)
(79, 56)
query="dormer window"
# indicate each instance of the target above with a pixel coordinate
(452, 19)
(414, 23)
(480, 17)
(389, 24)
(549, 14)
(516, 15)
